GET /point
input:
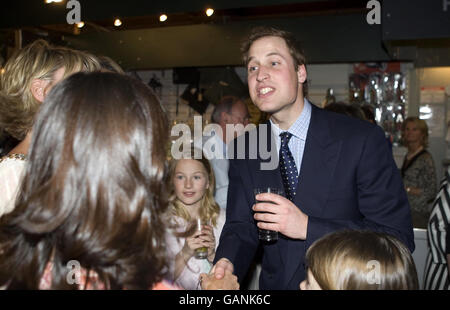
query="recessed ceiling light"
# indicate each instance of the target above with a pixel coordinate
(80, 24)
(162, 17)
(209, 12)
(117, 22)
(53, 1)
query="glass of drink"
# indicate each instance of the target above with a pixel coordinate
(264, 234)
(201, 253)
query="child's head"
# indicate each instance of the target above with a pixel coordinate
(359, 260)
(193, 187)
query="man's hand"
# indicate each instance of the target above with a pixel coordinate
(221, 267)
(283, 216)
(210, 282)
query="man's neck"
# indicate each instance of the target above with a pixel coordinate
(287, 116)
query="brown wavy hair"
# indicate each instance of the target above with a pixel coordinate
(93, 189)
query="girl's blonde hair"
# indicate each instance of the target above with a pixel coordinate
(209, 209)
(346, 260)
(38, 60)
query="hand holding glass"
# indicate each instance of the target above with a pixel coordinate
(264, 234)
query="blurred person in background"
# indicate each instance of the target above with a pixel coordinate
(229, 111)
(418, 171)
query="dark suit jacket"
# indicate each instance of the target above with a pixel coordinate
(348, 180)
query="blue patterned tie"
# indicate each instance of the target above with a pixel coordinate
(288, 169)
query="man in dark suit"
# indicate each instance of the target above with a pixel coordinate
(345, 175)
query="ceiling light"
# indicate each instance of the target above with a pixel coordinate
(117, 22)
(53, 1)
(163, 18)
(80, 24)
(209, 12)
(2, 71)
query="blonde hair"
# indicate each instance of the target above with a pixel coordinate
(343, 261)
(209, 209)
(38, 60)
(421, 125)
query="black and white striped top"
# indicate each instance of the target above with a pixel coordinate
(436, 271)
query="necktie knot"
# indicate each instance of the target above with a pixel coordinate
(285, 137)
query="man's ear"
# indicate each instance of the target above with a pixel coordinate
(301, 74)
(38, 89)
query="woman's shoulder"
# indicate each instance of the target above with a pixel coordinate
(425, 156)
(11, 166)
(11, 171)
(12, 161)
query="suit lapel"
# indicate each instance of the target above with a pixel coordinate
(319, 162)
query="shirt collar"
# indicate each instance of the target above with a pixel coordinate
(299, 128)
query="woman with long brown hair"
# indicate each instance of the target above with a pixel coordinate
(92, 194)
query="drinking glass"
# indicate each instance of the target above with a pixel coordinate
(264, 234)
(201, 253)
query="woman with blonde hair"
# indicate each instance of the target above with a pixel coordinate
(28, 77)
(359, 260)
(418, 171)
(191, 202)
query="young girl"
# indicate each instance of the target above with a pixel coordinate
(192, 198)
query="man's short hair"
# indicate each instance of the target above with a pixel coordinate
(225, 105)
(292, 43)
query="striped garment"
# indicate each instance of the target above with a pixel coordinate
(436, 271)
